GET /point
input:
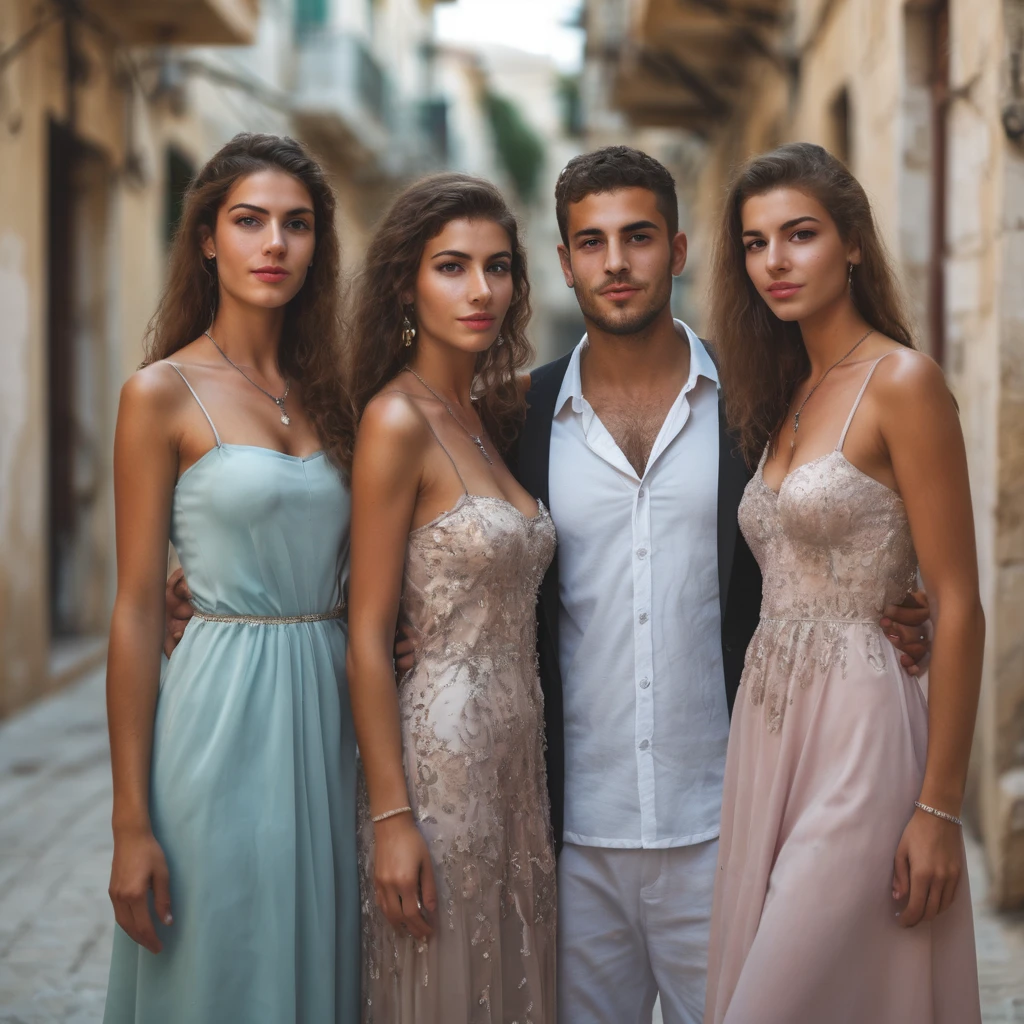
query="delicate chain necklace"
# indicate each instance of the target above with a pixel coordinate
(279, 402)
(475, 438)
(796, 417)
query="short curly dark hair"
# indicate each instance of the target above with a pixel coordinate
(609, 169)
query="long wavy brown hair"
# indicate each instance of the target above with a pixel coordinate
(417, 215)
(311, 340)
(761, 358)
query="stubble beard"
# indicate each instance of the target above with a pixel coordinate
(627, 322)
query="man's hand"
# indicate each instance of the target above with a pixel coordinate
(908, 628)
(177, 610)
(405, 652)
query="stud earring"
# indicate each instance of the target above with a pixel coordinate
(408, 332)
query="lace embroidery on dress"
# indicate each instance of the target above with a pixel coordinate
(834, 548)
(472, 729)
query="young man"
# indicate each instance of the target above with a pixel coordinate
(645, 616)
(646, 613)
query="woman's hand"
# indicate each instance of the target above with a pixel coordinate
(403, 876)
(177, 609)
(139, 866)
(929, 863)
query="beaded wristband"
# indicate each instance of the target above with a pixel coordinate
(938, 814)
(391, 814)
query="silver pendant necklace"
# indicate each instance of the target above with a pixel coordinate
(796, 417)
(475, 438)
(279, 402)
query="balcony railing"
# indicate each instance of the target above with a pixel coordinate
(343, 96)
(180, 22)
(688, 63)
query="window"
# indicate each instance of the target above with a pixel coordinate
(179, 174)
(310, 14)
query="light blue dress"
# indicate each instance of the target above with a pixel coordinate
(254, 760)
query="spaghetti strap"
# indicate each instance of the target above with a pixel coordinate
(216, 436)
(409, 398)
(856, 404)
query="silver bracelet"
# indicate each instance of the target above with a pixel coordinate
(391, 814)
(938, 814)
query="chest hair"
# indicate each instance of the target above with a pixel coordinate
(634, 426)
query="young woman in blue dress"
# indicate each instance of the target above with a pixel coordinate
(234, 878)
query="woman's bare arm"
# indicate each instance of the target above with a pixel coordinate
(145, 469)
(386, 477)
(921, 429)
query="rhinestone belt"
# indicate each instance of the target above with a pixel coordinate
(273, 620)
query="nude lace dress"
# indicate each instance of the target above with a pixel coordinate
(826, 757)
(472, 728)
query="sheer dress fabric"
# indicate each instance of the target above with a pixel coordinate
(826, 757)
(472, 728)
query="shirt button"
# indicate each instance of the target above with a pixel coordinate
(644, 683)
(641, 493)
(644, 744)
(643, 618)
(641, 553)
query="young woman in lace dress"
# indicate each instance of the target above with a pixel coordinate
(841, 894)
(457, 863)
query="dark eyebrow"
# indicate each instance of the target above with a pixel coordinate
(640, 225)
(466, 256)
(266, 213)
(785, 227)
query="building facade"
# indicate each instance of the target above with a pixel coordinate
(107, 108)
(924, 99)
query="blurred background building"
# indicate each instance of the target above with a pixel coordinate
(108, 107)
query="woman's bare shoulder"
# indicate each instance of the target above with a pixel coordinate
(393, 416)
(156, 387)
(908, 374)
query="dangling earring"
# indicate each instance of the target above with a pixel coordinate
(500, 340)
(849, 277)
(408, 332)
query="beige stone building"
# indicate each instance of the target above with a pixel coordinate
(107, 107)
(925, 101)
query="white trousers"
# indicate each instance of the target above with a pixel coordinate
(633, 925)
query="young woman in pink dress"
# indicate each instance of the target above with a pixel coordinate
(841, 894)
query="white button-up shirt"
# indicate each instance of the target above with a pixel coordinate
(646, 720)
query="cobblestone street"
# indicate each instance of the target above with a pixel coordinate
(55, 919)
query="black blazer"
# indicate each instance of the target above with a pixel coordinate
(739, 578)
